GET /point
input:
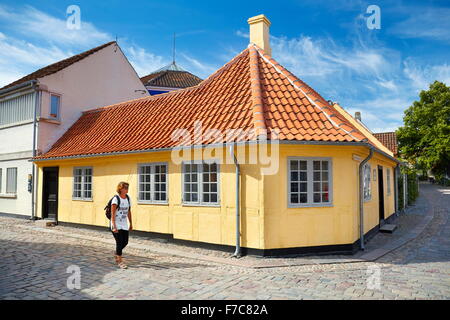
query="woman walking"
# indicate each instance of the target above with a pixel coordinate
(120, 213)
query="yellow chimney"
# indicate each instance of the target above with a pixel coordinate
(259, 32)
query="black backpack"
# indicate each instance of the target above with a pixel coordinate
(108, 207)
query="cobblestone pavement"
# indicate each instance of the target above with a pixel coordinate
(34, 265)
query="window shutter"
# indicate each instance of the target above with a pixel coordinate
(11, 180)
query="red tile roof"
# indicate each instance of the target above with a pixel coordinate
(171, 79)
(389, 139)
(251, 92)
(57, 66)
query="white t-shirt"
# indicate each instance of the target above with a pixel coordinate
(121, 213)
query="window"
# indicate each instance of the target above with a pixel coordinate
(11, 180)
(388, 180)
(16, 109)
(153, 183)
(0, 180)
(309, 182)
(367, 189)
(200, 183)
(54, 105)
(82, 183)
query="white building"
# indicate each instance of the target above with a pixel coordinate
(37, 109)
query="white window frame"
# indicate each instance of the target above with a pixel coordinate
(388, 181)
(83, 181)
(200, 202)
(152, 166)
(58, 116)
(310, 182)
(367, 182)
(8, 182)
(1, 181)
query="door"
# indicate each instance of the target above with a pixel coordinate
(381, 193)
(50, 193)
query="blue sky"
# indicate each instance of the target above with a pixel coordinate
(325, 43)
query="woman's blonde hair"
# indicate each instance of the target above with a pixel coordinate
(121, 185)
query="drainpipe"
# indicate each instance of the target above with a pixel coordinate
(396, 171)
(237, 253)
(405, 191)
(361, 197)
(33, 168)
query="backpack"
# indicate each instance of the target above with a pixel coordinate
(108, 207)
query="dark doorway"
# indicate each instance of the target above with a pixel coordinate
(381, 193)
(50, 193)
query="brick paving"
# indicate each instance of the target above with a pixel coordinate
(34, 265)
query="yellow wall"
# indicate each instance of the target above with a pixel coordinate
(371, 212)
(315, 226)
(266, 221)
(205, 224)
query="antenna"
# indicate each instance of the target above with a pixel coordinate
(174, 36)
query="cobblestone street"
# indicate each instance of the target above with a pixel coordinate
(34, 265)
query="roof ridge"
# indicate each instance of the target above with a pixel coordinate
(259, 121)
(292, 79)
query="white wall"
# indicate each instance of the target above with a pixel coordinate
(103, 78)
(22, 203)
(16, 139)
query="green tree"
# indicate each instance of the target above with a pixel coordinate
(424, 140)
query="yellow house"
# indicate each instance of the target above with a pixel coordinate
(252, 159)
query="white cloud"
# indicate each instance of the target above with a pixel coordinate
(18, 58)
(49, 41)
(23, 52)
(242, 34)
(324, 57)
(362, 76)
(390, 85)
(421, 76)
(144, 62)
(33, 23)
(201, 69)
(424, 22)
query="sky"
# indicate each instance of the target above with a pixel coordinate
(327, 44)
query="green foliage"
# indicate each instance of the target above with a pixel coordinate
(424, 140)
(413, 186)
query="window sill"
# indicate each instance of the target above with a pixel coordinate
(200, 205)
(153, 203)
(8, 196)
(321, 205)
(83, 200)
(50, 120)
